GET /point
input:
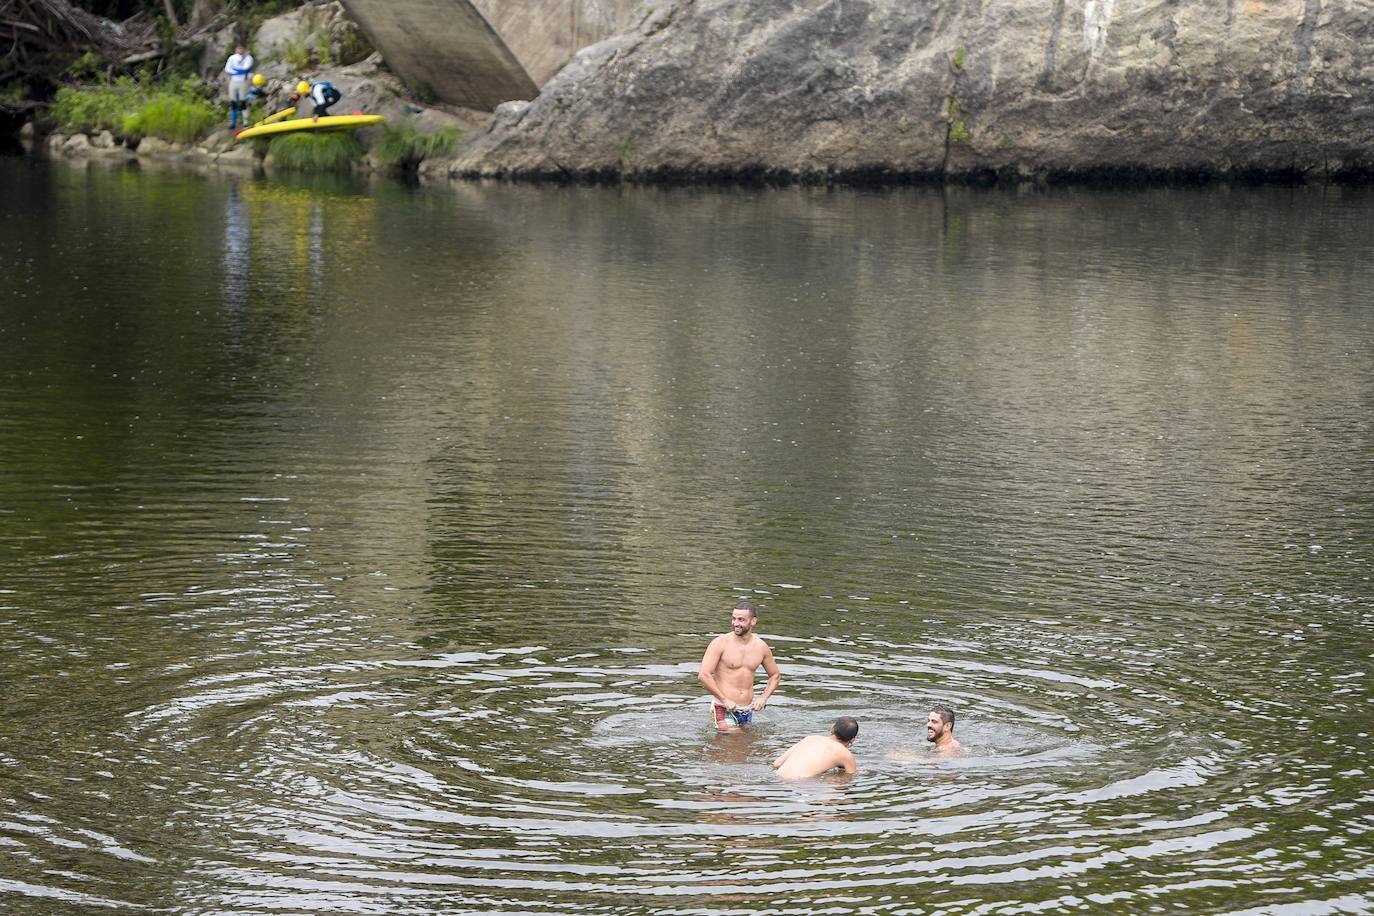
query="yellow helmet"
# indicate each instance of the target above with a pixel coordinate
(302, 86)
(259, 79)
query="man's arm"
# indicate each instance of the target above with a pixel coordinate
(848, 763)
(707, 674)
(770, 667)
(782, 758)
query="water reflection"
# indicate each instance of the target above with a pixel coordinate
(358, 545)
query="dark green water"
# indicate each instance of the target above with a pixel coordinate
(358, 545)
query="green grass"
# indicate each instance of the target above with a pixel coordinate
(172, 117)
(316, 151)
(405, 146)
(95, 108)
(958, 130)
(175, 111)
(297, 53)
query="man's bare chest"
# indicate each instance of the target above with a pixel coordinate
(737, 657)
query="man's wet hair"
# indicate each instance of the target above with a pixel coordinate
(946, 715)
(846, 728)
(746, 606)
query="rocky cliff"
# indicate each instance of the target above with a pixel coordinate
(697, 88)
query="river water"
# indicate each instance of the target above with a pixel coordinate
(359, 544)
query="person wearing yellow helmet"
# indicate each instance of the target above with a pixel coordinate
(258, 90)
(322, 94)
(238, 67)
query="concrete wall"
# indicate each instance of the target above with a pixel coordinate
(545, 34)
(480, 53)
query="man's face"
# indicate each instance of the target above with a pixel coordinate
(239, 49)
(741, 622)
(935, 727)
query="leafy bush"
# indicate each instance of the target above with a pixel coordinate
(84, 68)
(178, 112)
(405, 146)
(96, 108)
(316, 151)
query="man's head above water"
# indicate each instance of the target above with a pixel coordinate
(743, 618)
(940, 726)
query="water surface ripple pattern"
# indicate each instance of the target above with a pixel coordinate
(359, 543)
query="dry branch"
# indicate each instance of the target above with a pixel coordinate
(39, 34)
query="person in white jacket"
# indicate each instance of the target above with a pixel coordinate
(240, 68)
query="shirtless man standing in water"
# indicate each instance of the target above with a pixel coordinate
(727, 670)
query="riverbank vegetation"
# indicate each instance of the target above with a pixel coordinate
(57, 43)
(405, 147)
(316, 151)
(177, 111)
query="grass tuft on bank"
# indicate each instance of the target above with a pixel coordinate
(406, 147)
(316, 151)
(172, 118)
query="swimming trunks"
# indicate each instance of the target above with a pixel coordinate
(730, 718)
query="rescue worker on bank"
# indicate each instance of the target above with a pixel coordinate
(259, 90)
(322, 94)
(239, 67)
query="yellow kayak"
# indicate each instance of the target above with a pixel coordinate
(276, 116)
(330, 122)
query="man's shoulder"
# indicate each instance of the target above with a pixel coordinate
(717, 642)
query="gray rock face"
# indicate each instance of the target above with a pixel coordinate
(215, 51)
(959, 87)
(315, 33)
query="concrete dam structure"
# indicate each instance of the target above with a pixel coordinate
(480, 53)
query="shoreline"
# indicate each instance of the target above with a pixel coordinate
(83, 147)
